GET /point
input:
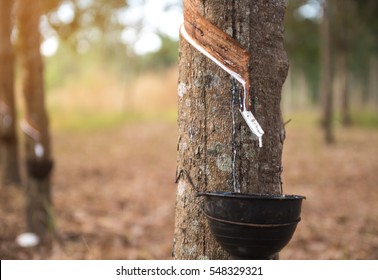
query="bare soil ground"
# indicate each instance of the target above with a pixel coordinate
(114, 195)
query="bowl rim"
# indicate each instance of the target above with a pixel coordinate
(235, 195)
(270, 225)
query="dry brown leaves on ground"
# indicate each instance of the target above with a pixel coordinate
(114, 195)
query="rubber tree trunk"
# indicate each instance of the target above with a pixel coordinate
(345, 33)
(8, 137)
(342, 70)
(373, 83)
(326, 75)
(35, 125)
(206, 141)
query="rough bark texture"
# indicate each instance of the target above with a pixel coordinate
(205, 146)
(8, 137)
(38, 155)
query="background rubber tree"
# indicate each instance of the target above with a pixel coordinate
(345, 34)
(326, 92)
(35, 125)
(369, 10)
(8, 136)
(205, 122)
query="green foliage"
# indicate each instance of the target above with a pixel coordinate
(67, 64)
(368, 11)
(97, 28)
(367, 118)
(163, 58)
(89, 121)
(86, 121)
(98, 25)
(301, 42)
(354, 29)
(61, 67)
(93, 21)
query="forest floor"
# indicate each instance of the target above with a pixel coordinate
(114, 194)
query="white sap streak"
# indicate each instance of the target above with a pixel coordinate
(235, 179)
(31, 131)
(253, 125)
(250, 119)
(247, 115)
(39, 150)
(244, 96)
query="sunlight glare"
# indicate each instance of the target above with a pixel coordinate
(66, 12)
(49, 46)
(147, 42)
(155, 20)
(311, 10)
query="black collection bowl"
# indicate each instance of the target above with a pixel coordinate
(252, 226)
(39, 169)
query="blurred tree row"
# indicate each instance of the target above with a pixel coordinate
(97, 26)
(91, 33)
(80, 26)
(353, 50)
(95, 29)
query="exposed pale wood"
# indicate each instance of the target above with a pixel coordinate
(218, 43)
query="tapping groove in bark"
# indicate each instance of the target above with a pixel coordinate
(218, 43)
(205, 120)
(227, 53)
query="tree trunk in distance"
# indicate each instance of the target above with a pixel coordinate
(205, 122)
(342, 69)
(373, 82)
(326, 78)
(8, 137)
(35, 125)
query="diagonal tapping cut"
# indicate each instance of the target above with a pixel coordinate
(35, 133)
(225, 51)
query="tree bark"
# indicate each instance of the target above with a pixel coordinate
(206, 141)
(35, 125)
(8, 136)
(326, 78)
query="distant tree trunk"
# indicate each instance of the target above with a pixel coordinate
(35, 125)
(326, 78)
(373, 82)
(205, 133)
(344, 34)
(342, 70)
(8, 137)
